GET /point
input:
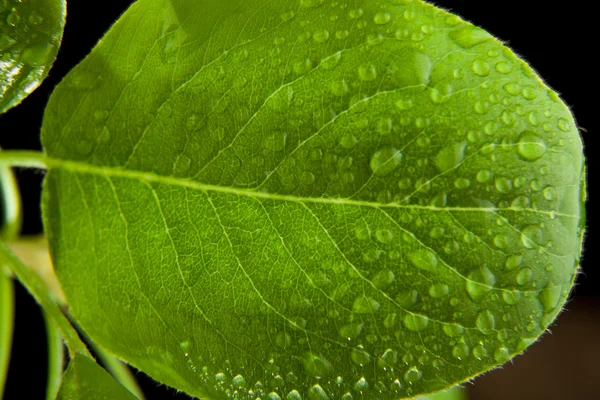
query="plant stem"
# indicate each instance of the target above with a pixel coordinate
(55, 358)
(36, 287)
(7, 311)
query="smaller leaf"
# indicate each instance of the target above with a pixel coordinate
(84, 379)
(30, 35)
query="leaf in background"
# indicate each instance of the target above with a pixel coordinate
(30, 35)
(310, 199)
(7, 314)
(86, 380)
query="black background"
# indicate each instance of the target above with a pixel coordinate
(556, 40)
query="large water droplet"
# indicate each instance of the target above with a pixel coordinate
(239, 381)
(469, 36)
(412, 375)
(365, 305)
(381, 18)
(453, 330)
(450, 156)
(532, 236)
(486, 322)
(531, 147)
(480, 282)
(383, 279)
(550, 296)
(424, 259)
(415, 322)
(385, 161)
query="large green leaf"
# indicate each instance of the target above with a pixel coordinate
(86, 380)
(310, 198)
(30, 35)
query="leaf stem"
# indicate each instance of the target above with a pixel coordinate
(7, 313)
(55, 358)
(37, 288)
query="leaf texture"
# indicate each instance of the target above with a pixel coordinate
(310, 199)
(30, 35)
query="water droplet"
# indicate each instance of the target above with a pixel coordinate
(293, 395)
(317, 393)
(385, 161)
(501, 355)
(412, 375)
(37, 55)
(307, 178)
(365, 305)
(564, 125)
(469, 36)
(479, 352)
(481, 68)
(185, 346)
(531, 147)
(273, 396)
(486, 322)
(480, 282)
(483, 176)
(331, 61)
(532, 236)
(367, 72)
(339, 88)
(424, 259)
(351, 331)
(529, 93)
(501, 241)
(408, 298)
(220, 377)
(383, 279)
(513, 261)
(503, 67)
(415, 322)
(503, 185)
(239, 381)
(550, 297)
(317, 366)
(381, 18)
(450, 156)
(524, 276)
(360, 357)
(275, 141)
(287, 15)
(438, 290)
(384, 236)
(384, 126)
(321, 36)
(549, 193)
(453, 329)
(461, 351)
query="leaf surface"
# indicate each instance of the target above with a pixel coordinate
(86, 380)
(310, 199)
(30, 35)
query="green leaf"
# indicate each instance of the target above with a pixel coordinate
(56, 358)
(86, 380)
(309, 199)
(30, 35)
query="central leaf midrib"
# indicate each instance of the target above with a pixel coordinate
(84, 168)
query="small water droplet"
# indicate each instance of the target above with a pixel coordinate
(479, 352)
(461, 351)
(439, 290)
(331, 61)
